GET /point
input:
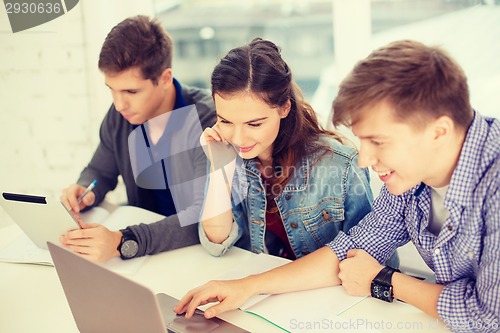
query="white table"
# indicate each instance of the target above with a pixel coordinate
(32, 299)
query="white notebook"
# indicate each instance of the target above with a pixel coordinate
(23, 250)
(294, 311)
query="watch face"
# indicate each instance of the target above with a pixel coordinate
(381, 292)
(129, 248)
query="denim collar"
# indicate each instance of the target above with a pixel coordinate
(298, 182)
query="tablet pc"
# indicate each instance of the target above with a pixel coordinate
(41, 218)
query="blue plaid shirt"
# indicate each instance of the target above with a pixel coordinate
(465, 256)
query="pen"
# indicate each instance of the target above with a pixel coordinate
(87, 190)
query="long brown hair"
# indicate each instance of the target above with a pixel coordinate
(259, 69)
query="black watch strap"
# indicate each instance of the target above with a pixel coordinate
(127, 234)
(384, 277)
(128, 246)
(381, 286)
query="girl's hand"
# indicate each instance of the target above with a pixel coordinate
(211, 134)
(219, 151)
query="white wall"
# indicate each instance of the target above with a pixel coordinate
(53, 96)
(44, 104)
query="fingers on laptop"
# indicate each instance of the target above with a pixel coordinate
(213, 291)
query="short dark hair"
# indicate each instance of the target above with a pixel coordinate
(419, 81)
(137, 42)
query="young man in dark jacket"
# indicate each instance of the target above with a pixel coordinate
(150, 137)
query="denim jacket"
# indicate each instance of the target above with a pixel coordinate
(323, 196)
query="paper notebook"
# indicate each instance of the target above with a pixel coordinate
(24, 251)
(291, 311)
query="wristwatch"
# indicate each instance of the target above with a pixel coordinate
(128, 247)
(381, 286)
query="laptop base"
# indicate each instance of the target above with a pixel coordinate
(198, 323)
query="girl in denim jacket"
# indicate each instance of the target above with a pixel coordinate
(294, 185)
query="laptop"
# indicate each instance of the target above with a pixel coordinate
(41, 218)
(103, 301)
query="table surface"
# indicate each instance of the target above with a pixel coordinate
(32, 299)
